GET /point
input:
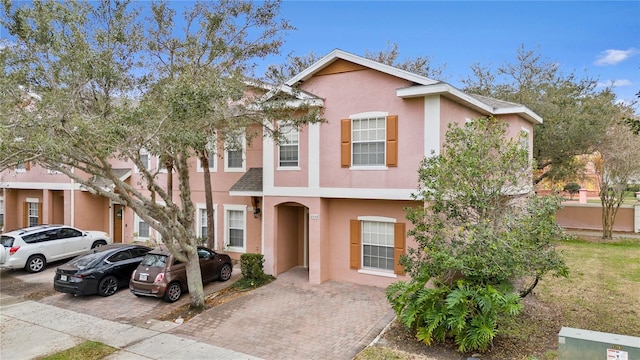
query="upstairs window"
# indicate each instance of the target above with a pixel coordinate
(369, 140)
(211, 156)
(22, 167)
(234, 152)
(288, 149)
(145, 159)
(525, 140)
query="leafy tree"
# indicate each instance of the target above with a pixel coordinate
(88, 87)
(572, 188)
(480, 233)
(574, 112)
(421, 65)
(616, 165)
(633, 120)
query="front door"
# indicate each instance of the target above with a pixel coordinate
(117, 223)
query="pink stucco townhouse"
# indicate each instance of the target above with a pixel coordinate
(331, 199)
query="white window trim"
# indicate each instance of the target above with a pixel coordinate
(242, 208)
(160, 167)
(153, 234)
(200, 207)
(528, 136)
(244, 156)
(285, 168)
(21, 168)
(363, 115)
(30, 201)
(200, 168)
(373, 271)
(212, 155)
(144, 152)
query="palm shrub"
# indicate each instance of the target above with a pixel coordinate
(466, 312)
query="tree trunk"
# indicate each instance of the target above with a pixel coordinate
(607, 216)
(194, 280)
(528, 291)
(204, 159)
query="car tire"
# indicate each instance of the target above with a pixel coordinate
(35, 263)
(173, 293)
(108, 286)
(98, 243)
(225, 272)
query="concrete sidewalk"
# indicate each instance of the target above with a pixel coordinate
(30, 329)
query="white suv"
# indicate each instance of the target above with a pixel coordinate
(33, 247)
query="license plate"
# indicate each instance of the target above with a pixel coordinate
(143, 277)
(63, 277)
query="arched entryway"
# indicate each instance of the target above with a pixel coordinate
(292, 237)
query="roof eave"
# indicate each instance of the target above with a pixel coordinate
(246, 193)
(451, 92)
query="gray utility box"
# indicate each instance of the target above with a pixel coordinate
(579, 344)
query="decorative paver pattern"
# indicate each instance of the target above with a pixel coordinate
(292, 319)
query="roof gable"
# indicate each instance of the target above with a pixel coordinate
(347, 61)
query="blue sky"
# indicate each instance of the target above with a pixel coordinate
(599, 37)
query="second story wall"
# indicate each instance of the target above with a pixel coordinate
(361, 96)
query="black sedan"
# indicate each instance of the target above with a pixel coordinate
(100, 271)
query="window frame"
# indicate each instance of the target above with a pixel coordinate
(286, 124)
(199, 209)
(382, 141)
(30, 216)
(144, 152)
(21, 167)
(243, 145)
(227, 228)
(372, 220)
(525, 141)
(213, 156)
(136, 227)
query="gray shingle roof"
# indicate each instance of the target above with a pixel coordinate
(251, 181)
(495, 103)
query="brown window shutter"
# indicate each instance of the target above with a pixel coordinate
(398, 247)
(354, 242)
(392, 140)
(25, 214)
(40, 213)
(27, 165)
(345, 142)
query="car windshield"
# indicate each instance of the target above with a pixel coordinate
(6, 241)
(86, 261)
(154, 260)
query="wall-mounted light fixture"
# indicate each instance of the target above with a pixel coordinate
(255, 202)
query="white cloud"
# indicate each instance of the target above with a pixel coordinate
(615, 83)
(612, 57)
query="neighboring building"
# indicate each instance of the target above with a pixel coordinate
(331, 198)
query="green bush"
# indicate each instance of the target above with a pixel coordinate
(467, 312)
(633, 188)
(572, 188)
(252, 269)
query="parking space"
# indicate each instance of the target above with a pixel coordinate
(288, 318)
